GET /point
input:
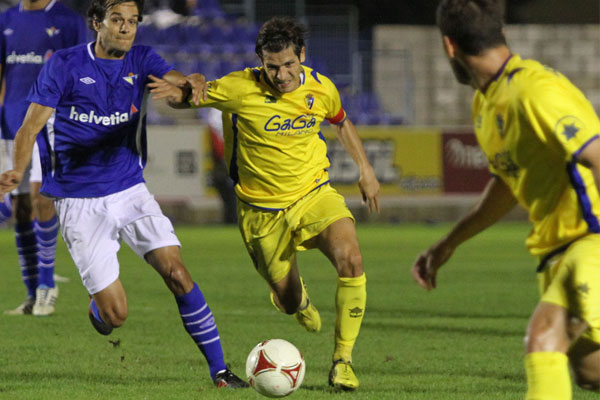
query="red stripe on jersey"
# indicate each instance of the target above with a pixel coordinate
(340, 117)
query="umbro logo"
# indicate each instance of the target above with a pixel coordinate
(87, 80)
(8, 32)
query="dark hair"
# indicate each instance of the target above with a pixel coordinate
(98, 8)
(278, 33)
(475, 25)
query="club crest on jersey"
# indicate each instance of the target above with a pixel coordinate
(130, 77)
(52, 31)
(309, 100)
(568, 127)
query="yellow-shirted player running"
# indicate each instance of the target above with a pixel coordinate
(277, 158)
(541, 137)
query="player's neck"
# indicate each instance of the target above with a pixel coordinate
(34, 5)
(101, 52)
(487, 66)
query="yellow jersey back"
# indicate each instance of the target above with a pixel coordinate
(531, 123)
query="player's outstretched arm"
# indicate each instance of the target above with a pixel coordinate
(497, 200)
(35, 119)
(163, 89)
(367, 183)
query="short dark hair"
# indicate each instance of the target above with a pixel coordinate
(278, 33)
(98, 8)
(475, 25)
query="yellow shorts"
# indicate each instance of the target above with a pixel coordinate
(272, 237)
(572, 280)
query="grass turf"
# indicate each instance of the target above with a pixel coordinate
(460, 341)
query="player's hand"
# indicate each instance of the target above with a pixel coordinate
(9, 180)
(199, 87)
(161, 89)
(369, 188)
(425, 269)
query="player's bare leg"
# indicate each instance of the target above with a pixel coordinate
(195, 313)
(339, 243)
(584, 357)
(109, 308)
(289, 295)
(546, 343)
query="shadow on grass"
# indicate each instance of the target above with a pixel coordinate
(428, 313)
(439, 329)
(83, 378)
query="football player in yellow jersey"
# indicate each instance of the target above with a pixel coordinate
(278, 161)
(542, 139)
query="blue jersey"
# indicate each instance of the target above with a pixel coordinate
(27, 40)
(95, 143)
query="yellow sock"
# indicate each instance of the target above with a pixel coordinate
(350, 301)
(547, 376)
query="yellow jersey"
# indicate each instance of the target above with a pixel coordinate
(531, 123)
(274, 148)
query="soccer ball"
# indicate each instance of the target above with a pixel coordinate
(275, 368)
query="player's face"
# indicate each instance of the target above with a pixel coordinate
(283, 69)
(117, 31)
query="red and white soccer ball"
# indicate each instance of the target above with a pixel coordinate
(275, 368)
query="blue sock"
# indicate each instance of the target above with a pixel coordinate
(200, 324)
(27, 249)
(5, 208)
(46, 233)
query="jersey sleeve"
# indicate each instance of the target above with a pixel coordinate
(563, 113)
(224, 93)
(154, 64)
(335, 112)
(49, 87)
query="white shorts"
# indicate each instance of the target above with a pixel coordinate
(92, 228)
(33, 172)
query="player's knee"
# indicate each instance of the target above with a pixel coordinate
(587, 380)
(178, 279)
(22, 210)
(114, 316)
(349, 263)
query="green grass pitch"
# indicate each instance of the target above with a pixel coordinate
(461, 341)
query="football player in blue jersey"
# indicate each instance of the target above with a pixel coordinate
(93, 154)
(29, 33)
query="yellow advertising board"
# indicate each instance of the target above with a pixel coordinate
(405, 160)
